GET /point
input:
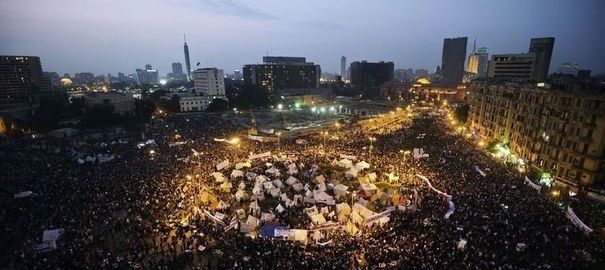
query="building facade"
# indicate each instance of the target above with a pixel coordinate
(478, 62)
(194, 103)
(452, 60)
(21, 85)
(343, 68)
(122, 104)
(209, 82)
(559, 130)
(147, 75)
(513, 66)
(369, 75)
(281, 72)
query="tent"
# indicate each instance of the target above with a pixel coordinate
(267, 217)
(240, 195)
(268, 186)
(323, 197)
(261, 179)
(317, 219)
(251, 175)
(278, 183)
(237, 173)
(340, 189)
(222, 165)
(270, 231)
(371, 176)
(241, 165)
(291, 180)
(222, 205)
(218, 177)
(351, 172)
(393, 177)
(226, 186)
(242, 185)
(297, 187)
(362, 165)
(343, 209)
(275, 192)
(320, 179)
(24, 194)
(348, 157)
(362, 210)
(52, 235)
(299, 235)
(368, 189)
(297, 199)
(253, 207)
(292, 169)
(335, 163)
(280, 208)
(345, 163)
(351, 229)
(273, 171)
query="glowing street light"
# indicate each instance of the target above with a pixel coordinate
(278, 140)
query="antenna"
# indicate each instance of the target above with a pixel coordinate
(185, 38)
(475, 45)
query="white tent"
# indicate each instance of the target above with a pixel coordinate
(318, 219)
(371, 176)
(362, 210)
(345, 163)
(222, 205)
(240, 195)
(297, 186)
(299, 235)
(340, 189)
(222, 165)
(52, 235)
(253, 207)
(275, 192)
(218, 177)
(368, 187)
(278, 183)
(309, 194)
(291, 180)
(242, 165)
(323, 197)
(261, 179)
(251, 175)
(362, 165)
(298, 199)
(242, 185)
(335, 163)
(273, 171)
(268, 186)
(280, 208)
(237, 173)
(292, 169)
(351, 172)
(267, 217)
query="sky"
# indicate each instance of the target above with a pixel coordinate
(110, 36)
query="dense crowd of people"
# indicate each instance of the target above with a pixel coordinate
(141, 209)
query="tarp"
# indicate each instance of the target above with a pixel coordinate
(340, 188)
(241, 165)
(273, 171)
(299, 235)
(291, 180)
(52, 235)
(345, 163)
(269, 231)
(419, 153)
(317, 219)
(343, 209)
(222, 165)
(362, 165)
(297, 186)
(218, 177)
(320, 179)
(261, 155)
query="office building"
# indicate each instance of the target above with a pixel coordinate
(84, 78)
(187, 63)
(542, 47)
(419, 73)
(343, 68)
(121, 104)
(177, 74)
(209, 82)
(21, 85)
(194, 103)
(561, 130)
(512, 66)
(370, 75)
(281, 72)
(452, 60)
(147, 75)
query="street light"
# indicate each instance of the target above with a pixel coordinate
(278, 140)
(372, 140)
(324, 134)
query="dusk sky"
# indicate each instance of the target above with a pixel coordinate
(113, 36)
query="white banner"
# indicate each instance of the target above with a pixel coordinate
(448, 198)
(349, 157)
(213, 218)
(532, 184)
(261, 155)
(480, 171)
(571, 215)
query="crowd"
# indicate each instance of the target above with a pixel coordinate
(141, 210)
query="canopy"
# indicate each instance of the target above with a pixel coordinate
(240, 194)
(273, 171)
(278, 183)
(222, 165)
(343, 209)
(218, 177)
(291, 180)
(226, 186)
(297, 186)
(340, 188)
(270, 231)
(320, 179)
(362, 165)
(317, 219)
(345, 163)
(241, 165)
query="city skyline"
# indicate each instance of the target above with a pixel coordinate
(320, 32)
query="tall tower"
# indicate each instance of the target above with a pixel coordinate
(343, 68)
(452, 60)
(187, 62)
(542, 47)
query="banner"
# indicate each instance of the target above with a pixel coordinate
(448, 198)
(222, 165)
(349, 157)
(261, 155)
(213, 218)
(532, 184)
(571, 215)
(480, 171)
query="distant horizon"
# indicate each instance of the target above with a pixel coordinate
(230, 34)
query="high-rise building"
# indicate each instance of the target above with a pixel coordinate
(187, 63)
(147, 75)
(177, 68)
(209, 81)
(477, 61)
(84, 77)
(369, 75)
(343, 68)
(21, 85)
(421, 73)
(560, 129)
(282, 73)
(452, 60)
(542, 47)
(512, 66)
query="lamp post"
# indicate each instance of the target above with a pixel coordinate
(324, 134)
(278, 140)
(372, 139)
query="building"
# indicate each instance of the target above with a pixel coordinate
(343, 68)
(21, 85)
(187, 62)
(512, 66)
(452, 60)
(177, 74)
(419, 73)
(478, 62)
(542, 47)
(209, 82)
(147, 75)
(371, 75)
(194, 103)
(281, 73)
(569, 69)
(122, 104)
(561, 130)
(84, 78)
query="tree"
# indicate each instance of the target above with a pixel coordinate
(217, 105)
(461, 113)
(144, 110)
